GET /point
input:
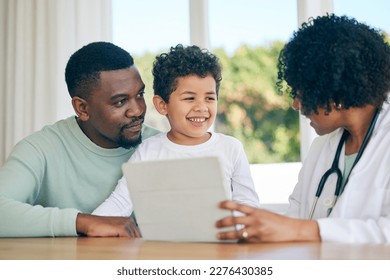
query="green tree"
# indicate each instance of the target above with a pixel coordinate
(250, 108)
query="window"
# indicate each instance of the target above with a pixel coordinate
(146, 28)
(246, 35)
(150, 25)
(250, 22)
(374, 13)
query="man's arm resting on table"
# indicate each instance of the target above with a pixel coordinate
(92, 225)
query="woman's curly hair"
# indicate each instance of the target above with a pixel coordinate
(335, 59)
(180, 62)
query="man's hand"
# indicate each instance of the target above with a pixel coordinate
(92, 225)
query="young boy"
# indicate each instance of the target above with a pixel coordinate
(186, 85)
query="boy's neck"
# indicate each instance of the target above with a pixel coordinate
(181, 139)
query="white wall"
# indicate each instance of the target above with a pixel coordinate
(274, 183)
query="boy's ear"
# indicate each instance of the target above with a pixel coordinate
(160, 105)
(80, 106)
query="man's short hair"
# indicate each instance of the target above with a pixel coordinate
(82, 72)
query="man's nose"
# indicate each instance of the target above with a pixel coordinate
(135, 108)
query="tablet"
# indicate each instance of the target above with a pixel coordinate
(177, 200)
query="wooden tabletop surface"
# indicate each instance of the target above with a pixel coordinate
(87, 248)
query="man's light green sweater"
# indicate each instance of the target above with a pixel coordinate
(52, 175)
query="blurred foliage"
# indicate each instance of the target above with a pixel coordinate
(249, 107)
(387, 37)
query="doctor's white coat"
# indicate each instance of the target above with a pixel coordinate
(362, 212)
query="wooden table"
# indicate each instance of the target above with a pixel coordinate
(87, 248)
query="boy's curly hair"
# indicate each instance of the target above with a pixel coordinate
(335, 59)
(182, 61)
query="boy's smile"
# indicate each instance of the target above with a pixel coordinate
(198, 122)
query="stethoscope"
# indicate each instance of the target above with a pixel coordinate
(335, 169)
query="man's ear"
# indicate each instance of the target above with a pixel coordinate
(80, 106)
(160, 105)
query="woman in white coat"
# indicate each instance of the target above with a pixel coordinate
(338, 75)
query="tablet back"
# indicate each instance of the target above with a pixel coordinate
(177, 200)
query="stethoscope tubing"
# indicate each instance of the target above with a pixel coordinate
(335, 169)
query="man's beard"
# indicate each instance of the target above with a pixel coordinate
(129, 143)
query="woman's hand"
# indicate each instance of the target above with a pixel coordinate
(265, 226)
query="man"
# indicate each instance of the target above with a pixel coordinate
(55, 177)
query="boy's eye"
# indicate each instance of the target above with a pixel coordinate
(189, 98)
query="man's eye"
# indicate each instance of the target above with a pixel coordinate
(141, 94)
(121, 102)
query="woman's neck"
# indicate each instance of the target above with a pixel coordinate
(358, 122)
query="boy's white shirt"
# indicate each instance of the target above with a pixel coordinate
(238, 183)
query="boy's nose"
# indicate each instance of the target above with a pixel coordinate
(201, 107)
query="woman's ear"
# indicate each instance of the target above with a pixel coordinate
(160, 105)
(80, 106)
